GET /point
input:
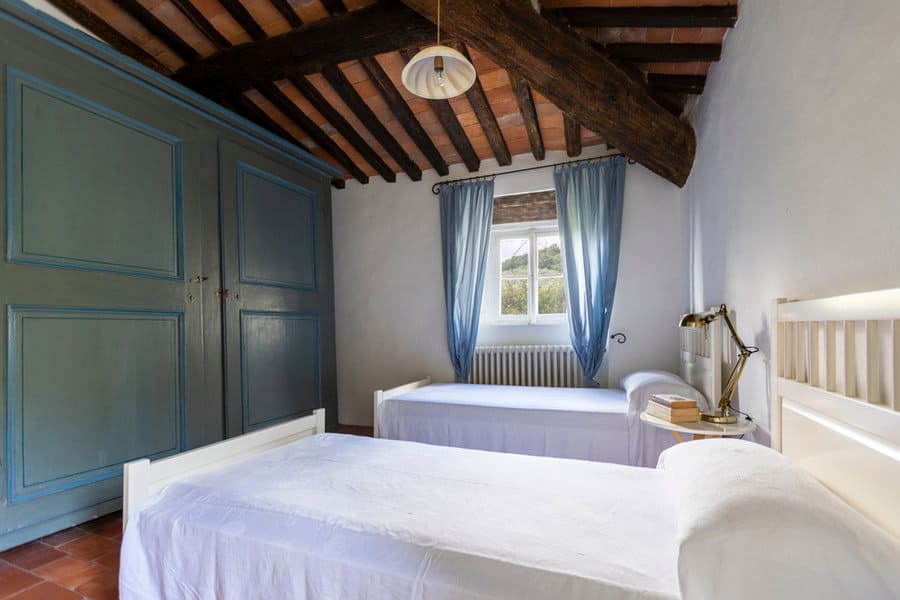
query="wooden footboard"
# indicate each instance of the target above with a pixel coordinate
(143, 478)
(382, 395)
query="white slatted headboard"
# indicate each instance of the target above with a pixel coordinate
(835, 366)
(701, 359)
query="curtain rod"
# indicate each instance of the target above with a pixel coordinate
(435, 189)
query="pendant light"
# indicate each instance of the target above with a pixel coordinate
(438, 72)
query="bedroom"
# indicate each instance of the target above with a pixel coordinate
(789, 195)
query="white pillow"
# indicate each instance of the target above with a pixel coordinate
(641, 385)
(753, 525)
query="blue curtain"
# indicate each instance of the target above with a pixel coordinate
(466, 209)
(589, 200)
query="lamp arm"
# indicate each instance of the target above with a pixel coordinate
(723, 312)
(738, 370)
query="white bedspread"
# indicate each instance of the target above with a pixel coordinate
(345, 517)
(582, 423)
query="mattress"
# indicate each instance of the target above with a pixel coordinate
(334, 516)
(583, 423)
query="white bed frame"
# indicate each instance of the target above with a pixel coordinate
(701, 367)
(835, 377)
(143, 478)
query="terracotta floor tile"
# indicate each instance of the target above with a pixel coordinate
(108, 526)
(13, 579)
(46, 591)
(31, 555)
(61, 537)
(102, 587)
(109, 560)
(70, 571)
(90, 546)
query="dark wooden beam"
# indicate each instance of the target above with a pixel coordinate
(159, 30)
(529, 115)
(84, 17)
(343, 127)
(578, 79)
(634, 52)
(274, 95)
(190, 11)
(573, 136)
(404, 114)
(244, 19)
(449, 121)
(284, 7)
(376, 29)
(647, 16)
(679, 84)
(485, 114)
(336, 78)
(334, 6)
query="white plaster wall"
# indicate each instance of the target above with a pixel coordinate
(389, 294)
(57, 14)
(794, 188)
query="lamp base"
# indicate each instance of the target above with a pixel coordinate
(719, 418)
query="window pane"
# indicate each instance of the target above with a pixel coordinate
(551, 296)
(549, 258)
(514, 297)
(514, 257)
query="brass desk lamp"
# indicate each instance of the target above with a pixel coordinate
(701, 320)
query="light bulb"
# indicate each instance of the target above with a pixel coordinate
(439, 71)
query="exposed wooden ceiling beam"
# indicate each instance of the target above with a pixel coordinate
(336, 78)
(647, 16)
(636, 52)
(404, 114)
(334, 6)
(242, 105)
(284, 104)
(343, 127)
(485, 114)
(680, 84)
(199, 21)
(529, 115)
(449, 121)
(159, 30)
(573, 136)
(580, 80)
(284, 7)
(87, 19)
(244, 19)
(376, 29)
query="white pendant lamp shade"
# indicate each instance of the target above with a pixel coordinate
(422, 78)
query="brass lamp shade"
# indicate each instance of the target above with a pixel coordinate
(696, 320)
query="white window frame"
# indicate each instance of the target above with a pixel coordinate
(532, 231)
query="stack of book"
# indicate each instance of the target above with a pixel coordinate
(673, 408)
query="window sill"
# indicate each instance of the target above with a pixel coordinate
(524, 323)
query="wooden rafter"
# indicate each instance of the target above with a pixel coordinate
(679, 84)
(284, 7)
(336, 78)
(287, 107)
(449, 121)
(343, 127)
(244, 19)
(635, 52)
(404, 113)
(647, 16)
(84, 17)
(199, 21)
(485, 115)
(159, 29)
(524, 99)
(573, 136)
(578, 79)
(376, 29)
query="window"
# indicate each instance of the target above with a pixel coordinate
(526, 272)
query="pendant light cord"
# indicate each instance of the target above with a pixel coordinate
(439, 23)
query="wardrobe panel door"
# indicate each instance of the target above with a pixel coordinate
(278, 310)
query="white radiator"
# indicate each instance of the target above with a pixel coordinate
(551, 366)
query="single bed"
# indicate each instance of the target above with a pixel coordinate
(293, 513)
(585, 423)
